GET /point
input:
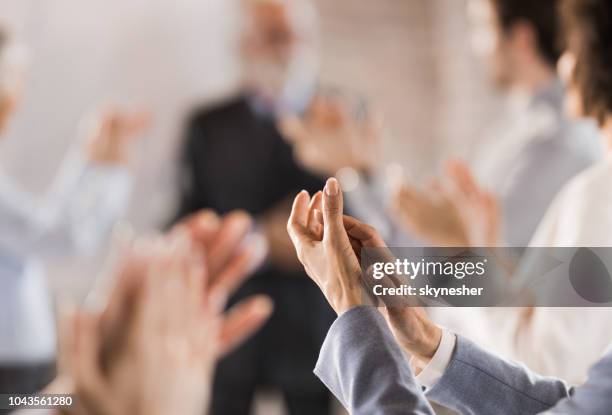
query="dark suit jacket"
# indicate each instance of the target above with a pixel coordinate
(235, 158)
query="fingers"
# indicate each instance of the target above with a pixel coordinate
(298, 219)
(332, 210)
(202, 226)
(365, 234)
(234, 228)
(86, 355)
(293, 129)
(243, 320)
(462, 177)
(240, 266)
(315, 222)
(65, 330)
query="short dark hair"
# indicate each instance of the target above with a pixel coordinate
(588, 35)
(541, 14)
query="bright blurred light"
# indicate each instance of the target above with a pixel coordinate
(349, 178)
(483, 34)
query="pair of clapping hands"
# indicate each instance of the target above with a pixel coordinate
(329, 244)
(153, 347)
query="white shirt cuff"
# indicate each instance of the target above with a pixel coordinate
(432, 372)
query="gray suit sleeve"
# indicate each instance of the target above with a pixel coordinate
(362, 365)
(477, 382)
(594, 397)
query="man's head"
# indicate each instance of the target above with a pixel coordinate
(518, 39)
(279, 47)
(11, 68)
(586, 65)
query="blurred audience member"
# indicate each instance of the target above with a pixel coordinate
(526, 161)
(235, 158)
(578, 217)
(87, 197)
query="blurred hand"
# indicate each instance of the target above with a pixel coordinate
(233, 251)
(477, 208)
(326, 251)
(430, 214)
(329, 138)
(166, 360)
(108, 143)
(273, 224)
(156, 295)
(453, 211)
(173, 335)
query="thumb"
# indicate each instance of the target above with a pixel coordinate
(333, 224)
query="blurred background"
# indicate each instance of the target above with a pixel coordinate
(409, 59)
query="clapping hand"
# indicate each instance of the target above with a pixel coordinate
(328, 137)
(324, 248)
(452, 211)
(153, 347)
(110, 135)
(329, 245)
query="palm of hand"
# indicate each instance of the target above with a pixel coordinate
(433, 216)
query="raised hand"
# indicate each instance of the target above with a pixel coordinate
(233, 251)
(326, 251)
(477, 208)
(329, 138)
(430, 214)
(153, 346)
(110, 135)
(165, 359)
(452, 211)
(329, 246)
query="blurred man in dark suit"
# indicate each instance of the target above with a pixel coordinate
(235, 158)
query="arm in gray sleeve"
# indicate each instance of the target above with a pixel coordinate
(477, 382)
(594, 397)
(363, 366)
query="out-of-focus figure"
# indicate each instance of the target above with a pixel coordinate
(234, 157)
(535, 336)
(535, 150)
(84, 201)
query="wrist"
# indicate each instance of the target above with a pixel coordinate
(422, 342)
(348, 297)
(425, 349)
(346, 302)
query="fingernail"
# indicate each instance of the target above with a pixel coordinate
(331, 187)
